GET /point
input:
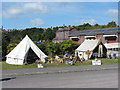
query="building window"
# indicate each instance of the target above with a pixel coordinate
(109, 48)
(111, 39)
(90, 37)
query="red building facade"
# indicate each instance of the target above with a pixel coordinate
(63, 34)
(110, 37)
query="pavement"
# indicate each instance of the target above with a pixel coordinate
(86, 79)
(58, 70)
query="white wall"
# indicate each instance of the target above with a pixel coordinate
(84, 55)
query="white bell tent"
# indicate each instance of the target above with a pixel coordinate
(19, 54)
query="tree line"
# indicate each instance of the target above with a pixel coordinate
(87, 26)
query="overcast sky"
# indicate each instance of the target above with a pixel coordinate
(21, 15)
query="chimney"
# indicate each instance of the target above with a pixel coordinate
(69, 27)
(44, 29)
(1, 27)
(51, 28)
(63, 25)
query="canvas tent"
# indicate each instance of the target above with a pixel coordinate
(92, 46)
(19, 54)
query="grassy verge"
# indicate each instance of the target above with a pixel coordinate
(6, 66)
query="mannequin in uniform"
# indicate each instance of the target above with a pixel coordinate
(100, 51)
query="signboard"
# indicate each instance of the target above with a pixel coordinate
(96, 62)
(40, 66)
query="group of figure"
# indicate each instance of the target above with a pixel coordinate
(65, 58)
(69, 59)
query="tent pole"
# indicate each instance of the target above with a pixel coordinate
(17, 62)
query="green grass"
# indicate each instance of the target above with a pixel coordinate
(6, 66)
(110, 61)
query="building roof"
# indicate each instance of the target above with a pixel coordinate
(97, 31)
(88, 45)
(66, 29)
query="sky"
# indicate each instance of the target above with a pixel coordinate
(21, 15)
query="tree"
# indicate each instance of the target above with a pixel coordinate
(86, 25)
(5, 42)
(50, 48)
(112, 24)
(11, 46)
(42, 47)
(48, 34)
(96, 25)
(68, 46)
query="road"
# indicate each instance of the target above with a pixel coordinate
(86, 79)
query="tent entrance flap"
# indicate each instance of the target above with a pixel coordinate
(31, 56)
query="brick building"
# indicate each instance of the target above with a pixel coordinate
(110, 37)
(63, 34)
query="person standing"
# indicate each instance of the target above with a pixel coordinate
(66, 56)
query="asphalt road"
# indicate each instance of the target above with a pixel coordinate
(86, 79)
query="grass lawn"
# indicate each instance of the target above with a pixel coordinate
(6, 66)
